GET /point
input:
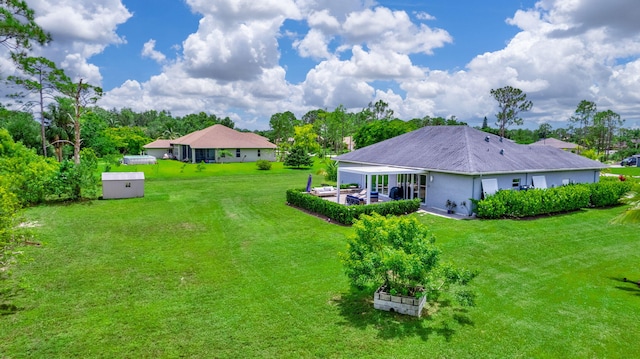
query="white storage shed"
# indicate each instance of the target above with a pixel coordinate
(122, 185)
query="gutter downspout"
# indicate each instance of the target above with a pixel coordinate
(338, 181)
(369, 183)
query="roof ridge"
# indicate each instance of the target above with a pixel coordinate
(466, 144)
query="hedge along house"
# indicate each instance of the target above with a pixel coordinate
(441, 164)
(206, 145)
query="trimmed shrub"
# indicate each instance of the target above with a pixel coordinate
(519, 204)
(263, 165)
(608, 192)
(348, 214)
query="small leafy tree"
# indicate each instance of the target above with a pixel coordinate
(73, 182)
(298, 157)
(399, 253)
(87, 174)
(305, 137)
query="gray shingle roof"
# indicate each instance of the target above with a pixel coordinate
(462, 149)
(554, 142)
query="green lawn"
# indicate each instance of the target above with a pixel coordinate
(214, 264)
(627, 171)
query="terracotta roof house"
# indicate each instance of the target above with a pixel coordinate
(205, 145)
(159, 149)
(457, 163)
(554, 142)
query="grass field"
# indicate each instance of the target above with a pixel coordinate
(214, 264)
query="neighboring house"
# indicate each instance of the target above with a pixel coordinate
(205, 146)
(458, 163)
(159, 149)
(349, 143)
(554, 142)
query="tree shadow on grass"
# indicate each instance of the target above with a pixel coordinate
(356, 309)
(7, 309)
(632, 286)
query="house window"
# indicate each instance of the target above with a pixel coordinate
(258, 152)
(515, 184)
(237, 152)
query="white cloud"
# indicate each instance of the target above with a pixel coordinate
(392, 30)
(81, 20)
(424, 16)
(314, 45)
(324, 21)
(618, 17)
(80, 29)
(238, 11)
(240, 53)
(565, 51)
(148, 50)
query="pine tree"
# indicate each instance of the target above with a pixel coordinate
(298, 157)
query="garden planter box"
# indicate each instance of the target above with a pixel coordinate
(398, 303)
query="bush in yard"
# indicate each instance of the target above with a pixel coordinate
(26, 173)
(330, 170)
(608, 192)
(399, 254)
(73, 182)
(9, 240)
(263, 165)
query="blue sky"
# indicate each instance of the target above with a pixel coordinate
(248, 60)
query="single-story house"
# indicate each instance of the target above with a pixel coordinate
(349, 143)
(554, 142)
(159, 149)
(441, 164)
(205, 146)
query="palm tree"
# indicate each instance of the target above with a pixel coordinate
(632, 214)
(59, 131)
